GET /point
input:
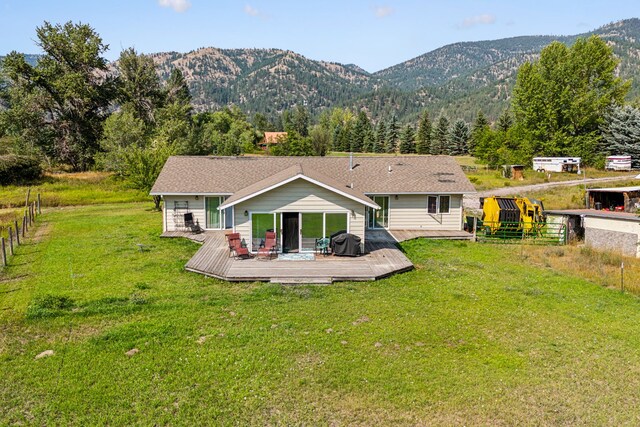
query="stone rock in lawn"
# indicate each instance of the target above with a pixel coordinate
(363, 319)
(132, 352)
(378, 345)
(45, 353)
(202, 339)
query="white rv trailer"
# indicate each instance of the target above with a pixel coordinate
(556, 164)
(618, 163)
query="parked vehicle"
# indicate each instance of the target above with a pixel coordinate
(618, 163)
(557, 164)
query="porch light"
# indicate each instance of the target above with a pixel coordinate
(246, 213)
(197, 197)
(353, 213)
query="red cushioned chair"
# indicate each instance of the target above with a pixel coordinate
(270, 248)
(235, 247)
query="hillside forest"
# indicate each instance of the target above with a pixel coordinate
(72, 109)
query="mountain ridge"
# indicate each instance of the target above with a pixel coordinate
(456, 79)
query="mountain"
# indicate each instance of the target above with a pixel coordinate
(264, 80)
(457, 79)
(462, 77)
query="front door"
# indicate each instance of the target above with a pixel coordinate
(290, 232)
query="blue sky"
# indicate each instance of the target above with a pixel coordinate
(371, 34)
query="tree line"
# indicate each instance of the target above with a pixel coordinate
(73, 108)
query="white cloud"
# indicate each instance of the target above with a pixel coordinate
(382, 11)
(251, 11)
(177, 5)
(484, 19)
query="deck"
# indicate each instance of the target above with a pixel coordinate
(383, 259)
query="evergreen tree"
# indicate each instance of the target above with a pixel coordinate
(391, 143)
(300, 120)
(369, 140)
(262, 124)
(621, 133)
(459, 138)
(407, 141)
(423, 137)
(441, 136)
(505, 121)
(177, 89)
(360, 132)
(479, 126)
(380, 139)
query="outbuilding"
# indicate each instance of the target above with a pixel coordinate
(622, 199)
(599, 229)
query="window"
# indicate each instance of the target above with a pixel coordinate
(260, 224)
(444, 204)
(432, 204)
(438, 204)
(335, 222)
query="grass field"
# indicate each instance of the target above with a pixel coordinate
(477, 334)
(484, 178)
(65, 189)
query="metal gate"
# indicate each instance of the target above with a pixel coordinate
(517, 232)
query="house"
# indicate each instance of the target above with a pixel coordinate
(306, 198)
(271, 138)
(600, 229)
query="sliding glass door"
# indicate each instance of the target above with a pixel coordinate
(379, 218)
(312, 229)
(214, 217)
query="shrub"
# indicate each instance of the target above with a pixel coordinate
(16, 169)
(49, 306)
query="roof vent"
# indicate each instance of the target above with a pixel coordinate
(351, 161)
(389, 168)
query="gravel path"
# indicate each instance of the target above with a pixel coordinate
(472, 201)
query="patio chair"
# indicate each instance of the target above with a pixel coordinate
(236, 249)
(270, 246)
(192, 225)
(322, 246)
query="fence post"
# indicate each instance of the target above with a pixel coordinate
(10, 240)
(39, 208)
(24, 225)
(4, 252)
(15, 224)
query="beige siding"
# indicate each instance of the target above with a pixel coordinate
(299, 196)
(195, 206)
(410, 212)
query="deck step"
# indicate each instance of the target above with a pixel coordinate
(302, 280)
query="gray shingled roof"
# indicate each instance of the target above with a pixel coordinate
(370, 175)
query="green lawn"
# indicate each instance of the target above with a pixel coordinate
(473, 336)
